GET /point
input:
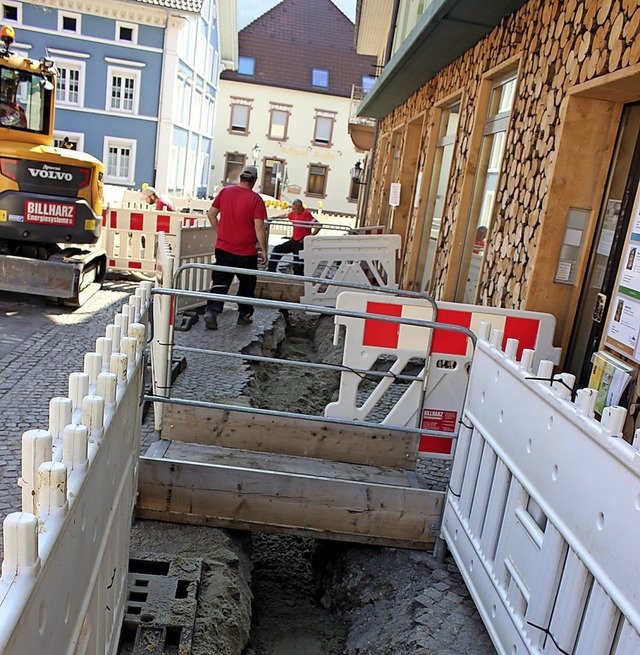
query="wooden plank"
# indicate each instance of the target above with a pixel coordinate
(234, 524)
(302, 437)
(205, 454)
(269, 498)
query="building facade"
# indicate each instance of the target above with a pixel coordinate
(286, 108)
(508, 145)
(136, 82)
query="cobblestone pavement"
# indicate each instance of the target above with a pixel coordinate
(48, 342)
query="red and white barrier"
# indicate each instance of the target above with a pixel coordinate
(447, 353)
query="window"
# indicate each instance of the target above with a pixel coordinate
(367, 82)
(438, 183)
(320, 77)
(323, 129)
(69, 83)
(74, 140)
(234, 161)
(247, 66)
(119, 160)
(317, 182)
(273, 175)
(354, 191)
(68, 22)
(240, 111)
(123, 90)
(279, 122)
(485, 184)
(10, 12)
(127, 32)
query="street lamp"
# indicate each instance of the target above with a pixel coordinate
(356, 174)
(256, 153)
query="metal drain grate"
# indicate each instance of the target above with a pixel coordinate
(161, 605)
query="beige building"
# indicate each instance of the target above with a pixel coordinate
(286, 108)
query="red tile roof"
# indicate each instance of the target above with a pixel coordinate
(296, 36)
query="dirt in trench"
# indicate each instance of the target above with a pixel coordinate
(264, 594)
(288, 618)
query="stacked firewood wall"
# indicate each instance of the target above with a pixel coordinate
(560, 44)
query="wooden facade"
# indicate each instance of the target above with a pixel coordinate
(576, 65)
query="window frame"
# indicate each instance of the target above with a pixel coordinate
(283, 109)
(74, 137)
(481, 206)
(240, 102)
(124, 72)
(320, 71)
(119, 142)
(71, 65)
(240, 162)
(69, 14)
(245, 59)
(324, 114)
(326, 169)
(134, 32)
(13, 5)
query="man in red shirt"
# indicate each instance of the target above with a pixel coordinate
(150, 196)
(238, 214)
(304, 224)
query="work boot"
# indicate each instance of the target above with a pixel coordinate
(245, 319)
(210, 321)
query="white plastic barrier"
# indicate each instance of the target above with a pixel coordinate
(130, 236)
(450, 354)
(363, 259)
(542, 513)
(64, 576)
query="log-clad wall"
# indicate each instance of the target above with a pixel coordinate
(555, 46)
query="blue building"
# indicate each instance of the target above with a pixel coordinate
(137, 81)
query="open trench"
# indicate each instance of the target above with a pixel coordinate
(270, 594)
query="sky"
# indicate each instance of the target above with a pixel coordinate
(249, 11)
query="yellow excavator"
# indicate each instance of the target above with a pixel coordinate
(50, 198)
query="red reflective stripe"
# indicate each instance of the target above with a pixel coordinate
(136, 221)
(451, 343)
(114, 219)
(162, 223)
(135, 265)
(381, 334)
(525, 330)
(439, 445)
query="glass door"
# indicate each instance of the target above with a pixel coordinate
(606, 251)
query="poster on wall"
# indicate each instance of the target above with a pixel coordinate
(623, 326)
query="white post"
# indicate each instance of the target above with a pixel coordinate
(20, 539)
(60, 412)
(37, 447)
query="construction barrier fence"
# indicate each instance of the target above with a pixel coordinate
(542, 511)
(64, 575)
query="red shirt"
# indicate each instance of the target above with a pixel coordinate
(301, 231)
(239, 208)
(164, 203)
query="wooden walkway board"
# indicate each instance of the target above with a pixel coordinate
(300, 437)
(248, 490)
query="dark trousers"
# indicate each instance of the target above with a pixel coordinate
(221, 280)
(290, 246)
